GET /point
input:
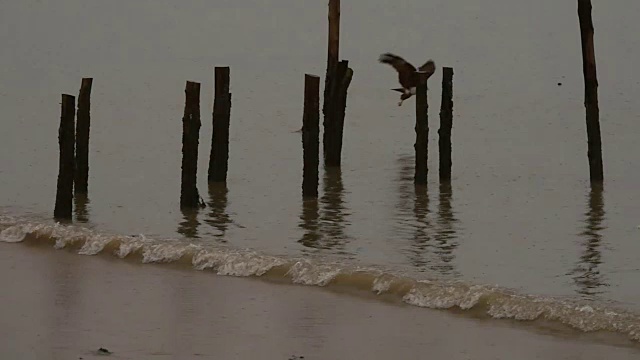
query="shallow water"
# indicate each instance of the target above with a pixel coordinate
(73, 305)
(519, 213)
(476, 300)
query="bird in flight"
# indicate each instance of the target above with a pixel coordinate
(407, 73)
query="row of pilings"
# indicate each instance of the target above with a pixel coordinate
(73, 135)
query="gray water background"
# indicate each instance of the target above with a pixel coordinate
(520, 212)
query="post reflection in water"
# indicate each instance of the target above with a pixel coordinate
(218, 217)
(189, 224)
(324, 220)
(433, 241)
(422, 229)
(586, 274)
(310, 223)
(446, 237)
(63, 298)
(81, 202)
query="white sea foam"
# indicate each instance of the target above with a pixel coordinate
(307, 273)
(493, 301)
(12, 234)
(382, 283)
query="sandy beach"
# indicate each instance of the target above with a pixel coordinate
(58, 305)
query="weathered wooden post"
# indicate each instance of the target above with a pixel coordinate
(336, 83)
(311, 135)
(189, 197)
(340, 109)
(83, 123)
(422, 130)
(66, 140)
(335, 114)
(219, 156)
(333, 52)
(446, 123)
(594, 152)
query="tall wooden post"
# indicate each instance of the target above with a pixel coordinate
(446, 123)
(189, 197)
(594, 152)
(422, 130)
(333, 52)
(82, 137)
(311, 135)
(219, 156)
(331, 81)
(66, 140)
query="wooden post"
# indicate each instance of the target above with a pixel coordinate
(333, 52)
(189, 197)
(334, 32)
(335, 114)
(66, 140)
(446, 123)
(83, 123)
(594, 152)
(311, 135)
(422, 130)
(340, 110)
(219, 157)
(331, 81)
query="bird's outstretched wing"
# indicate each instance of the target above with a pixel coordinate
(397, 62)
(429, 67)
(405, 69)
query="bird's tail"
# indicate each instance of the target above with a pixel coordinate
(400, 90)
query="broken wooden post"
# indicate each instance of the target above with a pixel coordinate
(66, 140)
(219, 156)
(340, 110)
(83, 122)
(422, 129)
(335, 114)
(189, 197)
(311, 135)
(594, 151)
(446, 123)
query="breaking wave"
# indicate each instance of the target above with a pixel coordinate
(482, 300)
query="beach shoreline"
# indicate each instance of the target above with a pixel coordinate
(60, 305)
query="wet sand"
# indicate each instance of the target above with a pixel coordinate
(58, 305)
